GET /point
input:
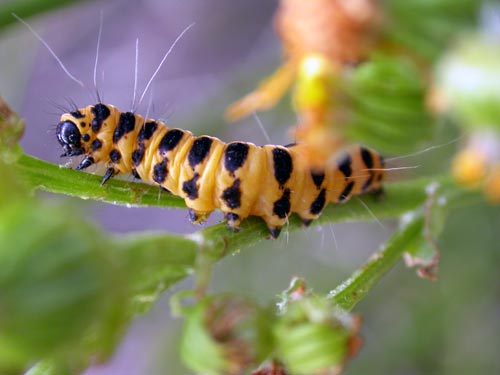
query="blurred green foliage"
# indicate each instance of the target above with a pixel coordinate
(469, 76)
(385, 101)
(27, 8)
(426, 27)
(59, 298)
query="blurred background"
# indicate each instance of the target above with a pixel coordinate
(411, 326)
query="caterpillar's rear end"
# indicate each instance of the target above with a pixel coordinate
(239, 178)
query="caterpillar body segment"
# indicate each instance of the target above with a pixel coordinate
(239, 178)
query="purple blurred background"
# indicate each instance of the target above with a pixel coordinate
(231, 47)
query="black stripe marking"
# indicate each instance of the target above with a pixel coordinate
(345, 165)
(160, 172)
(115, 156)
(126, 124)
(147, 131)
(190, 187)
(368, 184)
(170, 141)
(101, 112)
(138, 155)
(319, 203)
(281, 207)
(199, 151)
(347, 191)
(283, 165)
(96, 145)
(235, 156)
(77, 114)
(232, 195)
(366, 155)
(318, 179)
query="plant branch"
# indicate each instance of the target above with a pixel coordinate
(352, 290)
(41, 175)
(164, 259)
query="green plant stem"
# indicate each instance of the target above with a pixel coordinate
(352, 290)
(164, 259)
(40, 175)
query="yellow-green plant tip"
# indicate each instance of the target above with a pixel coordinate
(296, 290)
(315, 84)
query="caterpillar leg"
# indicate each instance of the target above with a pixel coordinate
(110, 172)
(274, 224)
(85, 163)
(274, 232)
(197, 217)
(306, 222)
(233, 221)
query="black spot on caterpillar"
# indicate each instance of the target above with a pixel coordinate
(238, 178)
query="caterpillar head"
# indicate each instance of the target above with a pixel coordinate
(69, 137)
(74, 130)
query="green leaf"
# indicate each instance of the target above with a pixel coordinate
(426, 27)
(385, 101)
(58, 282)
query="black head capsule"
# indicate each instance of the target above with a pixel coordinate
(69, 137)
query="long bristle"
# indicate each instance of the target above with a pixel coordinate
(71, 76)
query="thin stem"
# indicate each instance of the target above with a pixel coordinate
(40, 175)
(165, 259)
(353, 289)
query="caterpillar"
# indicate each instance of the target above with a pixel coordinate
(238, 178)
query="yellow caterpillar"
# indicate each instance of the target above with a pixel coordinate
(239, 178)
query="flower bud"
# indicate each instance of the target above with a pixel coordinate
(225, 335)
(313, 337)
